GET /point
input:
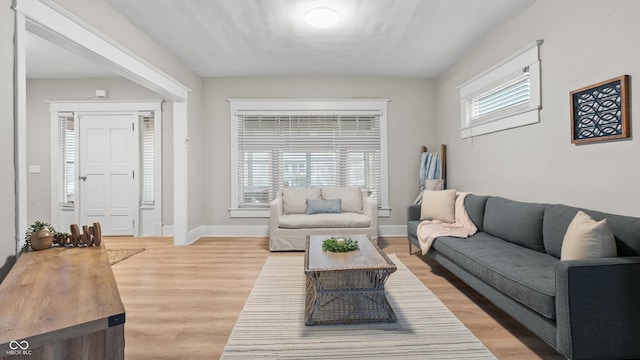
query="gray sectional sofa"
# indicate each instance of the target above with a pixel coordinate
(585, 309)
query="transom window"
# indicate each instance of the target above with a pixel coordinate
(506, 96)
(275, 149)
(503, 97)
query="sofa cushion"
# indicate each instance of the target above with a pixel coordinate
(351, 197)
(626, 229)
(525, 275)
(516, 222)
(294, 200)
(438, 205)
(323, 206)
(587, 239)
(343, 220)
(474, 205)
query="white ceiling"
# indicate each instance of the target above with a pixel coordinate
(405, 38)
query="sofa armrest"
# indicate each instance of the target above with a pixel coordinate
(598, 308)
(413, 212)
(275, 210)
(370, 208)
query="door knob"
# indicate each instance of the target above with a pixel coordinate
(83, 178)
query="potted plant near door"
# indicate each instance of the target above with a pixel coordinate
(39, 236)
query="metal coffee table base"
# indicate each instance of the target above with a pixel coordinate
(347, 297)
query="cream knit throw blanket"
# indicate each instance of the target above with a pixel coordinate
(463, 227)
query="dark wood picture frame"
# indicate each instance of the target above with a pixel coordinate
(601, 111)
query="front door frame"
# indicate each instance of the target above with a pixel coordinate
(149, 216)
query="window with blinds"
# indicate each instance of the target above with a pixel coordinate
(147, 156)
(67, 159)
(503, 97)
(278, 151)
(506, 96)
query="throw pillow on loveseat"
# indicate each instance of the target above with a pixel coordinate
(291, 219)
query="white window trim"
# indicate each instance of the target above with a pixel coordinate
(305, 106)
(527, 57)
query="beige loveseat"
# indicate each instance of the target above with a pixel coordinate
(298, 212)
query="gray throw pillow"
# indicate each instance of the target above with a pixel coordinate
(330, 206)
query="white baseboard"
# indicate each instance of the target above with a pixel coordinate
(192, 236)
(392, 230)
(259, 231)
(234, 231)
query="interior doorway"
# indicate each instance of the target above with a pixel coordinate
(54, 23)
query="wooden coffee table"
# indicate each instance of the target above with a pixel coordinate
(346, 288)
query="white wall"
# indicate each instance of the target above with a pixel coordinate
(585, 41)
(7, 179)
(39, 92)
(104, 18)
(410, 125)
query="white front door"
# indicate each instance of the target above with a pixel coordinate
(108, 184)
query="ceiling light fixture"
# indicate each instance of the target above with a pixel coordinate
(321, 17)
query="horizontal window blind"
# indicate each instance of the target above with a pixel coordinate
(277, 151)
(67, 159)
(147, 151)
(509, 94)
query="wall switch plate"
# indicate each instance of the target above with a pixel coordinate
(102, 93)
(34, 169)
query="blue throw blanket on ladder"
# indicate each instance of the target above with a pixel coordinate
(430, 168)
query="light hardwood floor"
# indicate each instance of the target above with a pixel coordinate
(182, 302)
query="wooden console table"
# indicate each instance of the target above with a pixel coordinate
(61, 304)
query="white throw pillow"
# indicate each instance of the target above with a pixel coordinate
(586, 238)
(438, 205)
(294, 200)
(350, 196)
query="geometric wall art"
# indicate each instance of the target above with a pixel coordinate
(600, 111)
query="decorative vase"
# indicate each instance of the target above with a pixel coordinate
(43, 239)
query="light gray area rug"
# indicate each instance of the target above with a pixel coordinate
(271, 325)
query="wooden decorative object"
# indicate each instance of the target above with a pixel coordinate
(87, 236)
(601, 111)
(90, 236)
(75, 235)
(97, 234)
